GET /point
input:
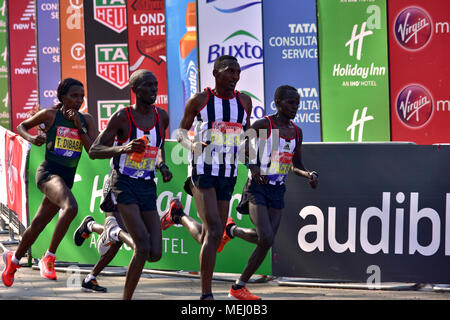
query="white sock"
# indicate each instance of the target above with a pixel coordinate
(114, 233)
(51, 254)
(15, 260)
(232, 230)
(89, 225)
(89, 278)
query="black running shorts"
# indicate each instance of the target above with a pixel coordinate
(224, 185)
(48, 168)
(127, 190)
(268, 195)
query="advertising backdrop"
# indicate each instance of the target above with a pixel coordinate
(23, 92)
(180, 250)
(237, 32)
(73, 60)
(48, 48)
(147, 43)
(419, 43)
(354, 75)
(4, 102)
(290, 57)
(397, 223)
(106, 57)
(182, 60)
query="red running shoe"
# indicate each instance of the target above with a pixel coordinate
(47, 266)
(172, 215)
(226, 237)
(9, 270)
(242, 294)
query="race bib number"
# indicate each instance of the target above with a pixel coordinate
(281, 163)
(68, 142)
(226, 134)
(144, 168)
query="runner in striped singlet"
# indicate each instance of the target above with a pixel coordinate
(132, 182)
(219, 116)
(278, 147)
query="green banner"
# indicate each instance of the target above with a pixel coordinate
(4, 110)
(354, 75)
(180, 250)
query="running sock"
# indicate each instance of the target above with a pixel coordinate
(15, 260)
(176, 216)
(89, 278)
(89, 225)
(238, 284)
(115, 233)
(49, 254)
(231, 230)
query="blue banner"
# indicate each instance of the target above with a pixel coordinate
(182, 61)
(291, 57)
(49, 68)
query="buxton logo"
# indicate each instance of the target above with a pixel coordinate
(244, 51)
(244, 6)
(414, 106)
(111, 13)
(111, 62)
(413, 28)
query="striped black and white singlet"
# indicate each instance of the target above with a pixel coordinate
(277, 163)
(220, 123)
(146, 168)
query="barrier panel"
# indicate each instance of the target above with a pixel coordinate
(380, 210)
(180, 251)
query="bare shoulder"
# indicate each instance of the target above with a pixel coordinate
(246, 101)
(198, 101)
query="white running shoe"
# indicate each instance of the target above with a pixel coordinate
(105, 240)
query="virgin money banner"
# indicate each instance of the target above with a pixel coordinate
(354, 79)
(22, 60)
(419, 39)
(147, 43)
(182, 66)
(290, 57)
(73, 62)
(4, 105)
(106, 57)
(389, 223)
(49, 70)
(16, 151)
(237, 32)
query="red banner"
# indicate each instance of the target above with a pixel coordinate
(147, 42)
(16, 151)
(419, 39)
(22, 58)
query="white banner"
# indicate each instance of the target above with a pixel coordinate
(233, 27)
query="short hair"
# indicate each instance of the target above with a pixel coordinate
(138, 76)
(220, 61)
(65, 85)
(281, 91)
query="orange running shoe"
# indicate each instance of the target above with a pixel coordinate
(242, 294)
(171, 215)
(226, 236)
(9, 270)
(47, 266)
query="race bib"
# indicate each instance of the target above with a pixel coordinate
(226, 134)
(144, 168)
(68, 143)
(281, 163)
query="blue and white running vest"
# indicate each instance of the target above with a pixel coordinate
(220, 124)
(146, 168)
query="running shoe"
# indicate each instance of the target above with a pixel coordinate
(172, 215)
(92, 286)
(9, 270)
(242, 294)
(104, 240)
(82, 232)
(47, 267)
(226, 236)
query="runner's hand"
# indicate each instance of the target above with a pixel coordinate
(256, 175)
(166, 174)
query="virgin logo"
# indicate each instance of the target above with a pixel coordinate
(413, 28)
(414, 106)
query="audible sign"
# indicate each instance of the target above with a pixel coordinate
(354, 79)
